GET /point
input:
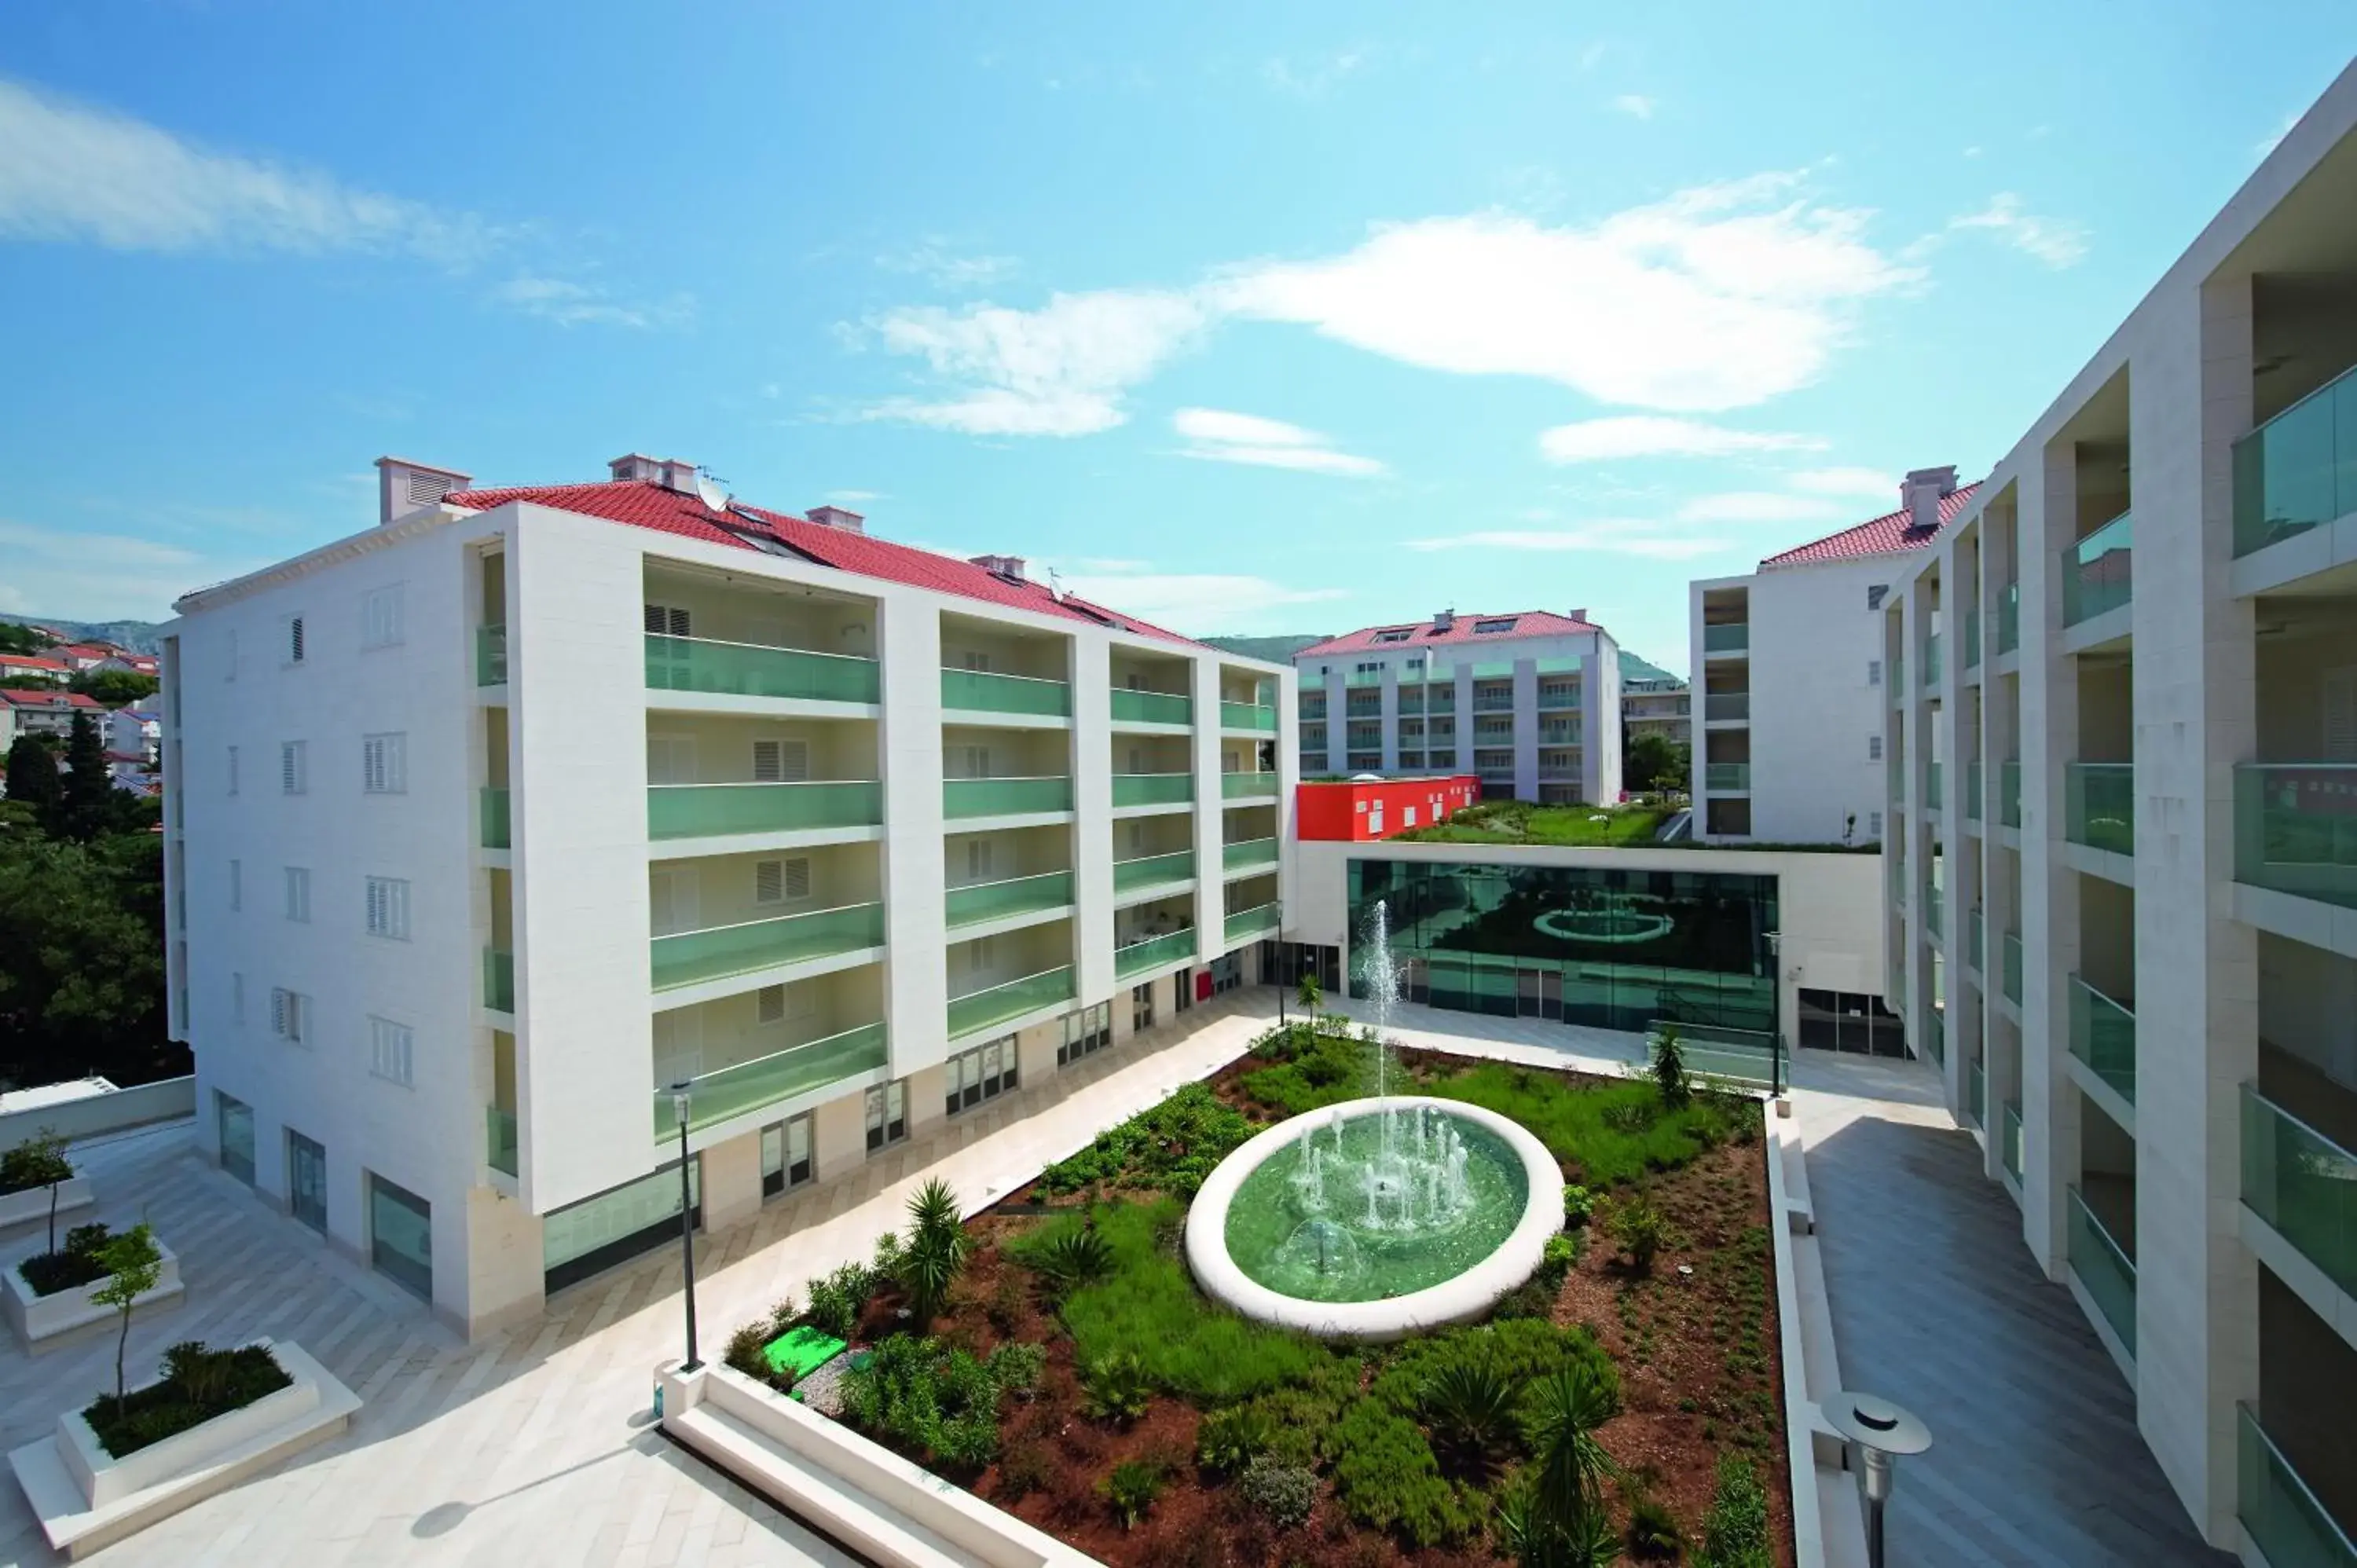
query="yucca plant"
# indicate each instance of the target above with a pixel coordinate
(1471, 1407)
(936, 1250)
(1070, 1259)
(1233, 1438)
(1114, 1388)
(1569, 1465)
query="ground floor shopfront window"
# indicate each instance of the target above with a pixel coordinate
(1848, 1021)
(401, 1236)
(593, 1235)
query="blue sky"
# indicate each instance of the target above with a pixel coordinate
(1245, 318)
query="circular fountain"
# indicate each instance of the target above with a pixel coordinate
(1378, 1216)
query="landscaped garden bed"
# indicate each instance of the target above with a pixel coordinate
(52, 1294)
(1053, 1356)
(38, 1183)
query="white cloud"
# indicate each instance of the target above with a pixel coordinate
(1869, 482)
(1758, 506)
(1654, 435)
(852, 497)
(2056, 242)
(1614, 537)
(1635, 104)
(1194, 603)
(1057, 371)
(570, 304)
(73, 172)
(1311, 77)
(1220, 436)
(103, 577)
(945, 269)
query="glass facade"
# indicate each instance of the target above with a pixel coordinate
(1604, 947)
(786, 1153)
(234, 1120)
(306, 1181)
(401, 1236)
(593, 1235)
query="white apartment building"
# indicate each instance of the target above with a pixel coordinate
(490, 823)
(1530, 702)
(2123, 888)
(1657, 706)
(1788, 663)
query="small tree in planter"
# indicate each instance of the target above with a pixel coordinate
(132, 1266)
(1310, 997)
(40, 1161)
(1670, 1068)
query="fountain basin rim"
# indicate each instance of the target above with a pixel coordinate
(1461, 1299)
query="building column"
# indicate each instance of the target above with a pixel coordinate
(1093, 825)
(908, 743)
(2050, 899)
(1526, 729)
(1390, 698)
(1337, 724)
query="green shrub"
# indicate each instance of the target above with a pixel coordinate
(936, 1251)
(1638, 1228)
(1071, 1257)
(968, 1442)
(1670, 1068)
(1386, 1478)
(1172, 1146)
(1282, 1494)
(1470, 1408)
(1017, 1366)
(929, 1399)
(1560, 1256)
(1301, 1412)
(1522, 1351)
(40, 1161)
(1027, 1467)
(1113, 1387)
(78, 1262)
(836, 1301)
(1131, 1488)
(1325, 1068)
(197, 1385)
(1231, 1439)
(1578, 1205)
(1653, 1534)
(1735, 1530)
(744, 1351)
(1576, 1122)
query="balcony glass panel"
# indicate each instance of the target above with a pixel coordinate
(1720, 705)
(2303, 1183)
(1166, 708)
(1248, 786)
(2296, 829)
(2008, 793)
(755, 670)
(1731, 777)
(1149, 870)
(499, 980)
(1934, 786)
(1931, 660)
(1440, 699)
(2096, 571)
(1004, 796)
(1973, 951)
(2009, 1151)
(2286, 1521)
(1252, 922)
(978, 1010)
(491, 656)
(1973, 791)
(1153, 788)
(1934, 919)
(1244, 853)
(716, 1097)
(2298, 471)
(1492, 702)
(704, 811)
(986, 690)
(494, 812)
(499, 1138)
(1899, 680)
(979, 901)
(2008, 617)
(1977, 1095)
(1165, 951)
(2104, 1271)
(683, 958)
(2099, 805)
(1728, 637)
(2102, 1035)
(2009, 968)
(1313, 707)
(1247, 716)
(1364, 705)
(1363, 678)
(1972, 639)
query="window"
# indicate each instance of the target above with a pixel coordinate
(778, 1004)
(388, 908)
(975, 660)
(286, 1016)
(781, 881)
(390, 1050)
(1874, 825)
(985, 1072)
(887, 1114)
(233, 1126)
(982, 955)
(291, 647)
(667, 620)
(1874, 748)
(786, 1155)
(237, 998)
(294, 766)
(1874, 672)
(401, 1236)
(381, 618)
(232, 770)
(982, 855)
(1394, 636)
(237, 884)
(1486, 628)
(1141, 1008)
(306, 1181)
(1874, 597)
(780, 761)
(1090, 1030)
(384, 764)
(299, 893)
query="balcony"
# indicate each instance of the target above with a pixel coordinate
(1492, 702)
(1557, 735)
(2302, 1182)
(1248, 786)
(1974, 951)
(2010, 1148)
(1363, 678)
(2296, 829)
(979, 1010)
(1726, 637)
(757, 670)
(1248, 716)
(2102, 1035)
(2290, 1526)
(1932, 669)
(732, 1092)
(1440, 699)
(686, 958)
(1166, 708)
(1726, 778)
(2298, 471)
(499, 1138)
(491, 656)
(1977, 1095)
(984, 691)
(1247, 854)
(2009, 967)
(1167, 951)
(1364, 705)
(2099, 805)
(499, 980)
(1973, 791)
(2105, 1271)
(1972, 639)
(1245, 924)
(1726, 707)
(1005, 797)
(974, 902)
(492, 809)
(1153, 788)
(2097, 572)
(2008, 619)
(1313, 707)
(1934, 786)
(1935, 920)
(2008, 792)
(1153, 870)
(711, 810)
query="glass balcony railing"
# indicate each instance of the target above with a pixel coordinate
(2302, 1182)
(499, 1138)
(987, 690)
(992, 1006)
(1167, 708)
(1722, 706)
(2102, 1035)
(1973, 791)
(493, 810)
(1732, 637)
(1440, 699)
(2105, 1270)
(758, 669)
(1932, 667)
(1973, 951)
(1729, 778)
(2009, 967)
(977, 901)
(709, 810)
(1248, 716)
(1005, 797)
(1153, 788)
(1934, 919)
(2099, 805)
(1247, 854)
(1899, 680)
(1364, 705)
(2296, 829)
(2009, 1151)
(1165, 951)
(1153, 870)
(499, 980)
(2298, 471)
(491, 656)
(1492, 702)
(1972, 639)
(1935, 1033)
(1313, 707)
(684, 958)
(1252, 922)
(2008, 792)
(2097, 571)
(732, 1092)
(2287, 1522)
(1977, 1095)
(1248, 786)
(1363, 678)
(2008, 619)
(1934, 786)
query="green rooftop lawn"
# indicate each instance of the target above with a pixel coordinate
(1518, 822)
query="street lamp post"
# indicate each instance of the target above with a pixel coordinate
(679, 1100)
(1882, 1432)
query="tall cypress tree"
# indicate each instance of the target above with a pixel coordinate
(86, 801)
(33, 776)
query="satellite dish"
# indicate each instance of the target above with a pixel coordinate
(708, 491)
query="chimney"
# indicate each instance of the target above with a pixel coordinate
(1002, 566)
(403, 486)
(678, 474)
(1579, 614)
(836, 517)
(1446, 620)
(1920, 494)
(637, 466)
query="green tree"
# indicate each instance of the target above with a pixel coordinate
(1670, 1068)
(929, 1264)
(1560, 1522)
(40, 1161)
(81, 961)
(88, 801)
(1653, 762)
(1311, 997)
(115, 688)
(133, 1266)
(17, 638)
(33, 774)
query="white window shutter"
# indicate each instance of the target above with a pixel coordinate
(667, 620)
(2340, 714)
(768, 881)
(770, 1003)
(768, 762)
(798, 879)
(294, 640)
(277, 1011)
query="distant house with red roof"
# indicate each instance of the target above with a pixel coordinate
(33, 711)
(33, 667)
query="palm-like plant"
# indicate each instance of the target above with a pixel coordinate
(1070, 1259)
(936, 1251)
(1470, 1408)
(1115, 1388)
(1570, 1467)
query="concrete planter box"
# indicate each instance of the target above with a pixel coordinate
(32, 1206)
(42, 1321)
(87, 1499)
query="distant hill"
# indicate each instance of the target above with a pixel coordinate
(1281, 650)
(137, 634)
(1633, 667)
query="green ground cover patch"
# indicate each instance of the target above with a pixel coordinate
(799, 1352)
(1519, 822)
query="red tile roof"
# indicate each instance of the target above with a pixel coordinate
(24, 697)
(643, 504)
(20, 662)
(1527, 623)
(1889, 534)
